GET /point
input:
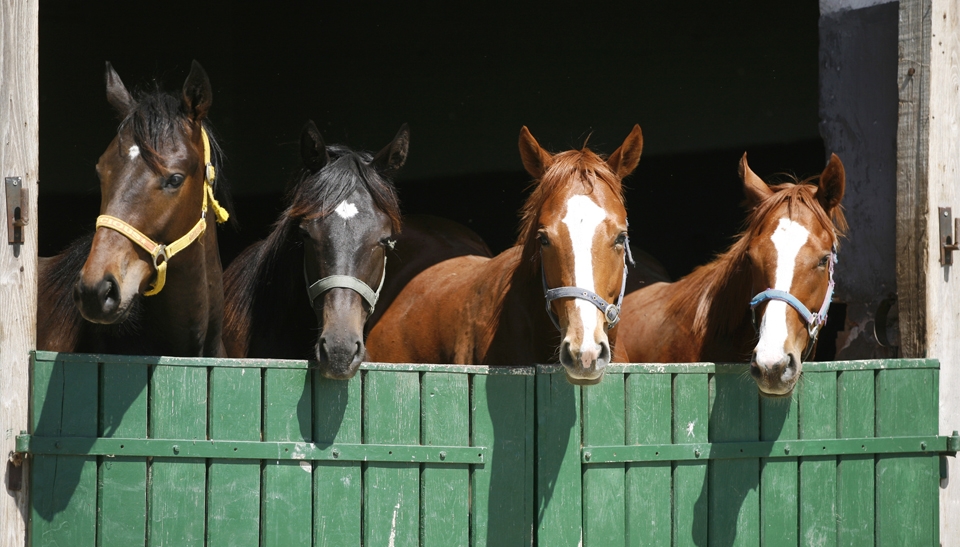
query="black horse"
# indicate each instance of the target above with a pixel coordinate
(323, 263)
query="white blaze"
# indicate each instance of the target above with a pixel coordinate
(346, 210)
(582, 219)
(133, 152)
(788, 238)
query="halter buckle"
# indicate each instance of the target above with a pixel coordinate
(612, 313)
(161, 253)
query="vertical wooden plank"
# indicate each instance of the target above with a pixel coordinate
(691, 398)
(177, 488)
(604, 521)
(19, 124)
(818, 474)
(337, 486)
(122, 515)
(855, 484)
(907, 485)
(502, 420)
(287, 512)
(391, 408)
(559, 489)
(444, 488)
(64, 489)
(233, 486)
(779, 487)
(734, 504)
(648, 486)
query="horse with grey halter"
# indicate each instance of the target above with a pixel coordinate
(490, 311)
(308, 288)
(755, 303)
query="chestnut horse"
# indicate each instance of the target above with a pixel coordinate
(570, 259)
(324, 262)
(784, 259)
(148, 281)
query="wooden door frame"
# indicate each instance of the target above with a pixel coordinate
(928, 177)
(19, 157)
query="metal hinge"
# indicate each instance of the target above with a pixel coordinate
(17, 205)
(948, 235)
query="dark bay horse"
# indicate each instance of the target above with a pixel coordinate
(308, 288)
(781, 268)
(148, 280)
(570, 259)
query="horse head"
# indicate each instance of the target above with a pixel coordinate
(575, 228)
(348, 212)
(794, 232)
(155, 183)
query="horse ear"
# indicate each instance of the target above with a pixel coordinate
(389, 160)
(625, 159)
(536, 160)
(313, 151)
(832, 183)
(197, 93)
(753, 186)
(117, 94)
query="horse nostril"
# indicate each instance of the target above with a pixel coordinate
(755, 368)
(792, 363)
(109, 293)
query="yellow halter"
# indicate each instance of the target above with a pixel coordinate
(159, 252)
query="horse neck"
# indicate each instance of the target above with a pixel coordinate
(188, 313)
(521, 317)
(714, 300)
(268, 310)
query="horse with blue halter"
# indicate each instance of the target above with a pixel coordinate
(309, 287)
(148, 280)
(763, 301)
(558, 289)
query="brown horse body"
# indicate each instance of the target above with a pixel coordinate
(153, 177)
(706, 316)
(478, 310)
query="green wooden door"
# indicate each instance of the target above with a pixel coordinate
(167, 451)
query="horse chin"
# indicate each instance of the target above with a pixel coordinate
(777, 381)
(339, 361)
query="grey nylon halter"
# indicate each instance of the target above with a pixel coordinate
(611, 312)
(323, 285)
(814, 321)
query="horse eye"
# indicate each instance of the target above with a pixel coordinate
(823, 261)
(174, 181)
(544, 240)
(621, 239)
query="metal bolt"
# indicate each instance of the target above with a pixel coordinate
(587, 456)
(335, 452)
(443, 455)
(57, 445)
(786, 450)
(696, 453)
(176, 449)
(923, 446)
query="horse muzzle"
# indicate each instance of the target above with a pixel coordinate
(776, 378)
(585, 365)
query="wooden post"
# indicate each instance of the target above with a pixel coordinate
(928, 177)
(19, 119)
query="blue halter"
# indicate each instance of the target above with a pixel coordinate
(814, 321)
(611, 312)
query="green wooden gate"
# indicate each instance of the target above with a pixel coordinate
(170, 451)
